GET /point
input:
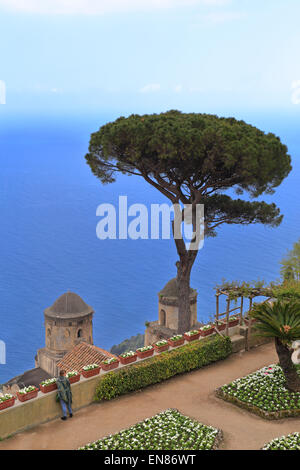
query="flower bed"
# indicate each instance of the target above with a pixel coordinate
(48, 385)
(27, 393)
(146, 351)
(110, 364)
(161, 346)
(176, 340)
(192, 335)
(128, 357)
(263, 393)
(73, 376)
(206, 330)
(290, 442)
(169, 430)
(90, 370)
(7, 401)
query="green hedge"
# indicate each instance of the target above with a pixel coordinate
(161, 367)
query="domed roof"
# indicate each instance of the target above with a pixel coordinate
(68, 305)
(171, 289)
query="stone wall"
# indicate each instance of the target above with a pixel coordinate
(155, 332)
(23, 416)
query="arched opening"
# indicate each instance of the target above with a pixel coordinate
(79, 334)
(162, 318)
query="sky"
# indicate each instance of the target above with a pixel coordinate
(149, 55)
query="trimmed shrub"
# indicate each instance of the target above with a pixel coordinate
(159, 368)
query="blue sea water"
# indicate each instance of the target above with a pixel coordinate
(48, 201)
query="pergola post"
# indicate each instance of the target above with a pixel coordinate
(241, 310)
(249, 323)
(227, 315)
(217, 306)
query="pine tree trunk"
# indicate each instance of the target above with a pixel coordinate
(184, 266)
(184, 311)
(291, 376)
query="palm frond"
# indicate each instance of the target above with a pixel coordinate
(279, 319)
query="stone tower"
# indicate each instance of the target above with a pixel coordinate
(67, 322)
(168, 314)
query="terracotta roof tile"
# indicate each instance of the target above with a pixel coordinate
(82, 355)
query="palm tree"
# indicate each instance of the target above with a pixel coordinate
(281, 320)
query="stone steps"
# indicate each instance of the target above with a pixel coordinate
(238, 343)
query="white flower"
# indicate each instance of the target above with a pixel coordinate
(90, 367)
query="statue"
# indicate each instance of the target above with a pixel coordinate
(296, 354)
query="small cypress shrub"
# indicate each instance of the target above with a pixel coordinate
(159, 368)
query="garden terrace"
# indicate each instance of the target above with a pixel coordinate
(42, 407)
(193, 394)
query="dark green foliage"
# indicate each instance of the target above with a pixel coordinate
(196, 157)
(159, 368)
(130, 344)
(281, 319)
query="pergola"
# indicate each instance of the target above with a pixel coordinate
(235, 293)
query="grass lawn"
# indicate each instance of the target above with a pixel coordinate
(169, 430)
(263, 392)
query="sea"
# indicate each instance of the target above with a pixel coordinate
(48, 242)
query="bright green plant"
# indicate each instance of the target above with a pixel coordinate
(281, 320)
(290, 266)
